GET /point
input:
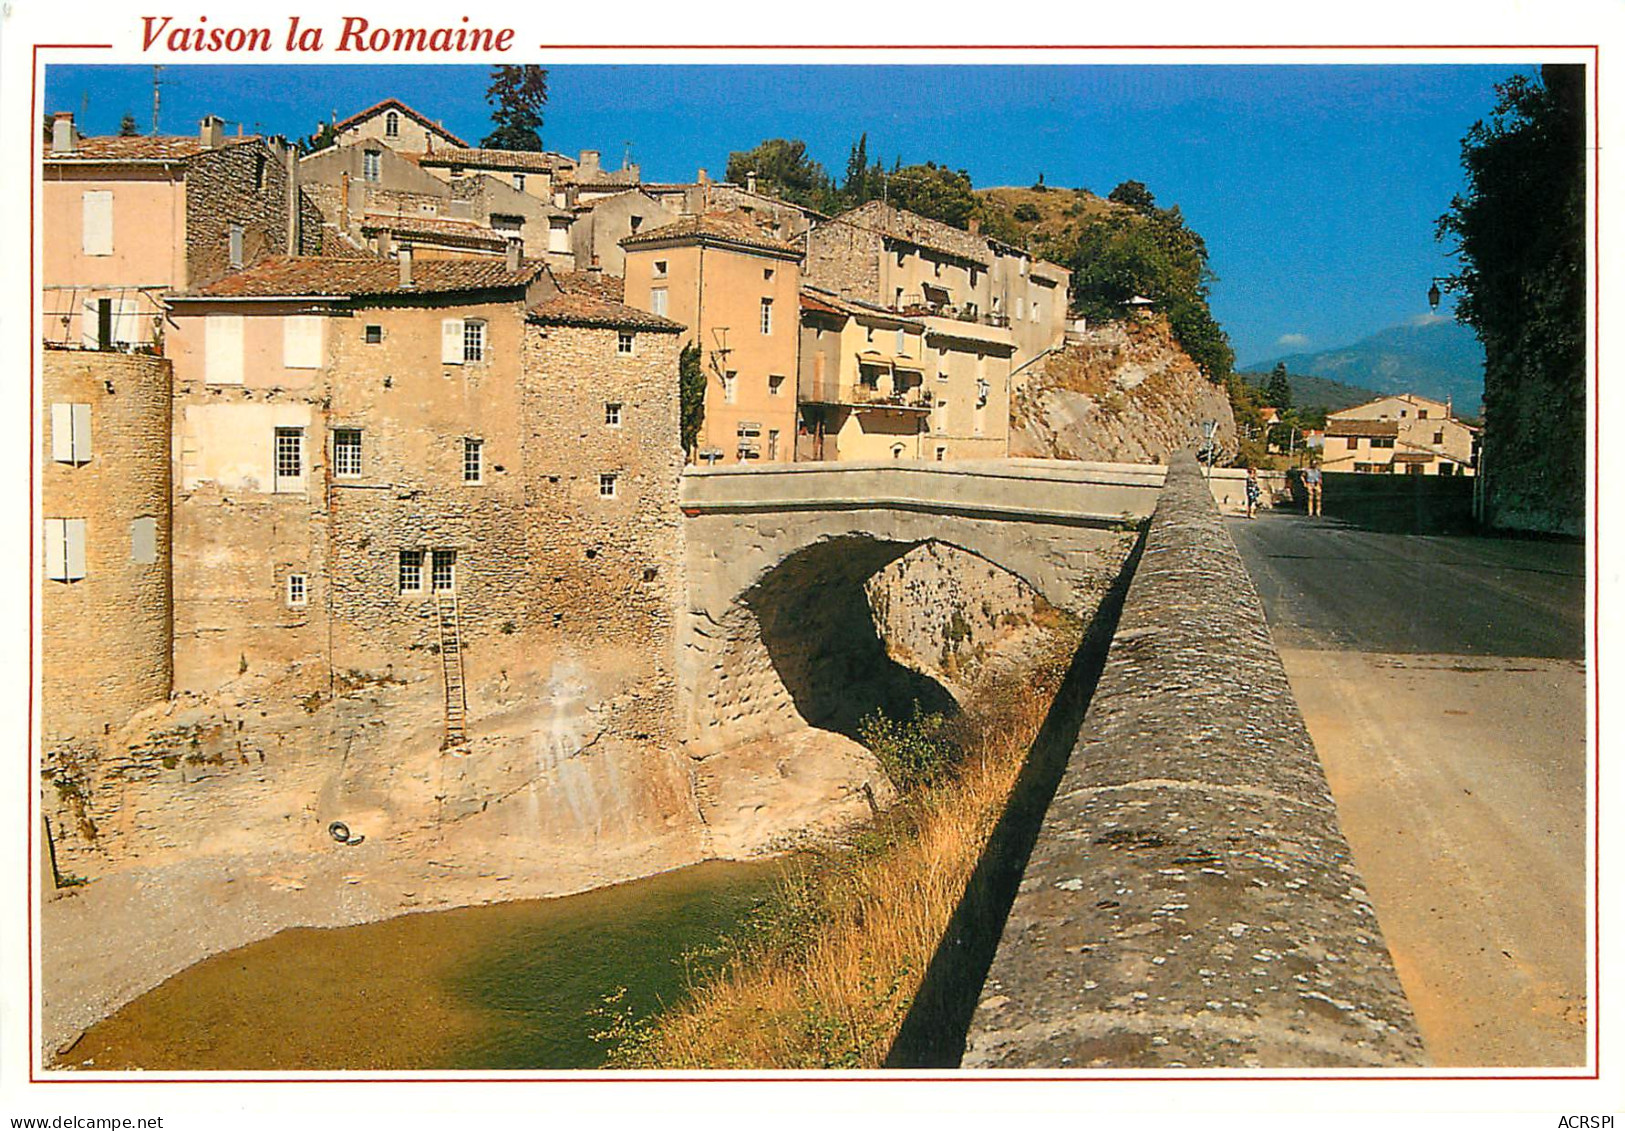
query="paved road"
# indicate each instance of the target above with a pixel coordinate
(1443, 681)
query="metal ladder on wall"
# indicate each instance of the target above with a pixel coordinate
(451, 664)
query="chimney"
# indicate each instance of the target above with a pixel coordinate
(64, 138)
(703, 177)
(211, 132)
(344, 199)
(291, 155)
(587, 167)
(750, 182)
(975, 225)
(516, 247)
(405, 258)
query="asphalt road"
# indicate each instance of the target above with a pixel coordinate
(1443, 681)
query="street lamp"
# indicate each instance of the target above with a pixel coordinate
(1434, 294)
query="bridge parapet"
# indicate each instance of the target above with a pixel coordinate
(1190, 900)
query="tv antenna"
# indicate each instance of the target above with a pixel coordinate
(157, 81)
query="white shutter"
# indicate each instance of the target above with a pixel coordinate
(89, 326)
(127, 321)
(223, 349)
(56, 550)
(62, 433)
(98, 223)
(75, 540)
(143, 540)
(302, 341)
(81, 433)
(451, 341)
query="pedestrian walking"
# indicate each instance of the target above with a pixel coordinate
(1254, 492)
(1311, 485)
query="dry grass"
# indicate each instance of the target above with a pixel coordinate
(827, 980)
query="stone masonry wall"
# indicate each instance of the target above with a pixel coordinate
(1190, 901)
(221, 191)
(844, 258)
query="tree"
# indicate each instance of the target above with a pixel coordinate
(1135, 195)
(933, 191)
(855, 189)
(1519, 234)
(517, 95)
(1280, 388)
(691, 396)
(783, 169)
(127, 126)
(324, 137)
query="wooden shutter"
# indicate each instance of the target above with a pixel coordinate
(127, 321)
(89, 320)
(302, 341)
(81, 433)
(451, 341)
(98, 223)
(56, 550)
(223, 349)
(144, 540)
(62, 433)
(75, 540)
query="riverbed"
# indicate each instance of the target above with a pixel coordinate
(531, 984)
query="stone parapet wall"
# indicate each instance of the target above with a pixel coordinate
(1190, 900)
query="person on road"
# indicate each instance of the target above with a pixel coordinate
(1311, 485)
(1253, 491)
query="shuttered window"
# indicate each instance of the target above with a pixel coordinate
(144, 540)
(65, 549)
(98, 223)
(223, 349)
(234, 245)
(70, 433)
(451, 341)
(302, 341)
(289, 459)
(346, 452)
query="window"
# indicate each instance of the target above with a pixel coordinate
(519, 182)
(70, 433)
(942, 415)
(371, 165)
(65, 549)
(607, 482)
(97, 235)
(902, 341)
(259, 172)
(942, 452)
(223, 349)
(729, 381)
(767, 274)
(624, 341)
(1382, 441)
(289, 459)
(144, 540)
(503, 222)
(473, 340)
(1438, 437)
(1035, 312)
(775, 385)
(346, 452)
(1021, 308)
(443, 571)
(612, 414)
(661, 268)
(772, 443)
(392, 124)
(302, 341)
(374, 335)
(234, 246)
(1421, 414)
(657, 301)
(1352, 443)
(936, 268)
(411, 571)
(897, 451)
(897, 301)
(637, 222)
(767, 316)
(473, 460)
(558, 236)
(296, 591)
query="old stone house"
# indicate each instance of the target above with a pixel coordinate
(389, 466)
(127, 219)
(396, 125)
(600, 224)
(737, 291)
(1404, 434)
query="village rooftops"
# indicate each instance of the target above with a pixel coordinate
(444, 228)
(397, 104)
(910, 228)
(1335, 427)
(819, 301)
(725, 229)
(582, 309)
(139, 150)
(502, 160)
(313, 276)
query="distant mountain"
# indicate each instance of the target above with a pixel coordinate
(1316, 392)
(1435, 356)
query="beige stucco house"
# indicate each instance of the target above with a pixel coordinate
(396, 125)
(737, 290)
(1402, 434)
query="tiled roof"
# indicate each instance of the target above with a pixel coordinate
(286, 276)
(140, 148)
(825, 302)
(397, 104)
(581, 309)
(444, 226)
(507, 160)
(1413, 457)
(611, 287)
(1362, 427)
(907, 226)
(607, 178)
(734, 228)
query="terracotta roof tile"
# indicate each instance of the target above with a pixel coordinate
(1362, 427)
(734, 228)
(286, 276)
(508, 160)
(611, 287)
(581, 309)
(407, 224)
(397, 104)
(140, 148)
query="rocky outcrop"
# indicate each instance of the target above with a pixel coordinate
(1124, 392)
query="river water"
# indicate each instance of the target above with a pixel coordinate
(506, 986)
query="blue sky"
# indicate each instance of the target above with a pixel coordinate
(1316, 186)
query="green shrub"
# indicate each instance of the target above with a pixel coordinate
(914, 752)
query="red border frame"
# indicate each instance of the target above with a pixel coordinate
(576, 1076)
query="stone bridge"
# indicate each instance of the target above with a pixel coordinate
(779, 633)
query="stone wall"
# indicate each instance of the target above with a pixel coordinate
(241, 183)
(844, 258)
(105, 638)
(1190, 900)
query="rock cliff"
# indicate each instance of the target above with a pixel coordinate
(1125, 392)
